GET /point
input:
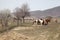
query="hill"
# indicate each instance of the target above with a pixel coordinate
(54, 12)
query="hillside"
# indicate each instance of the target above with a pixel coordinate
(49, 12)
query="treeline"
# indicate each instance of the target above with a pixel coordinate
(18, 15)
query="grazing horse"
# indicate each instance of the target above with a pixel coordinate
(56, 20)
(41, 21)
(48, 20)
(35, 21)
(45, 22)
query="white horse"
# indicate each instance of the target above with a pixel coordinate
(38, 21)
(41, 21)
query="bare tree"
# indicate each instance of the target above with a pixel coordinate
(17, 15)
(21, 13)
(4, 17)
(24, 11)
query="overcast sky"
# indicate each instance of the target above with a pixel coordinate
(33, 4)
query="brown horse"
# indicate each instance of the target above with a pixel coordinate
(46, 21)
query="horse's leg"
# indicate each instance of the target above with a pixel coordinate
(40, 23)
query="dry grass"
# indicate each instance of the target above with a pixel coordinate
(30, 32)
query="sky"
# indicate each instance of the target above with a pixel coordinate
(33, 4)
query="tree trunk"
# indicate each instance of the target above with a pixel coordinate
(6, 23)
(17, 22)
(23, 20)
(2, 23)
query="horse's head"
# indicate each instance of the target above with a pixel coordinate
(47, 20)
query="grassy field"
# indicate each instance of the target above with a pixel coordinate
(27, 31)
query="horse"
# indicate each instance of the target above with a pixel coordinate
(55, 20)
(48, 20)
(35, 21)
(41, 21)
(45, 22)
(38, 21)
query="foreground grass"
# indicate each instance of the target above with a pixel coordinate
(4, 29)
(49, 32)
(26, 24)
(45, 32)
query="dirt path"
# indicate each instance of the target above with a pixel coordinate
(22, 28)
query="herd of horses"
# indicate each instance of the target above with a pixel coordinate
(42, 21)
